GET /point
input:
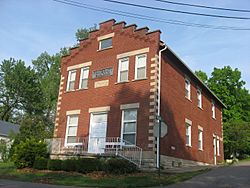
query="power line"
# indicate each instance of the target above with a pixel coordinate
(203, 6)
(143, 17)
(179, 11)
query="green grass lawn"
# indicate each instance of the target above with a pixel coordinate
(97, 179)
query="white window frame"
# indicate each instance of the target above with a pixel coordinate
(68, 81)
(119, 70)
(200, 139)
(100, 43)
(129, 121)
(218, 146)
(137, 66)
(213, 110)
(81, 77)
(188, 131)
(67, 129)
(199, 98)
(188, 88)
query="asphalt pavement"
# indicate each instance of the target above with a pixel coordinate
(235, 176)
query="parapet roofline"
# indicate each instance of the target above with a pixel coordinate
(192, 73)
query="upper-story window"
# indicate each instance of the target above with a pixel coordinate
(140, 66)
(71, 80)
(84, 78)
(187, 88)
(213, 109)
(105, 43)
(123, 70)
(199, 98)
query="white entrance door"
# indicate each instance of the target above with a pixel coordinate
(97, 132)
(215, 148)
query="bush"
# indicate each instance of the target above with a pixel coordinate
(40, 163)
(69, 165)
(84, 165)
(54, 164)
(27, 151)
(4, 151)
(119, 166)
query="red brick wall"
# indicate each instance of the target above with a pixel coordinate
(175, 107)
(125, 39)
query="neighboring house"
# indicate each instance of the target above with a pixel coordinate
(6, 129)
(115, 84)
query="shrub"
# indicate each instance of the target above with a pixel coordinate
(84, 165)
(40, 163)
(4, 151)
(54, 164)
(119, 166)
(27, 151)
(69, 165)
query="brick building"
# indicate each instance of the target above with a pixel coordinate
(115, 84)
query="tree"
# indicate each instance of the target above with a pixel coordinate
(236, 138)
(227, 84)
(83, 33)
(202, 75)
(20, 89)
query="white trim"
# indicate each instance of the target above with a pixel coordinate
(67, 128)
(188, 132)
(199, 98)
(86, 64)
(126, 59)
(200, 131)
(188, 88)
(110, 35)
(68, 81)
(136, 66)
(99, 109)
(129, 106)
(188, 121)
(80, 83)
(132, 53)
(213, 110)
(122, 124)
(73, 112)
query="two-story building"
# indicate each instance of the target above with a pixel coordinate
(115, 84)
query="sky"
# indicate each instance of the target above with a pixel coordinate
(28, 28)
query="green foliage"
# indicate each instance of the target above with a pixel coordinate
(27, 151)
(84, 165)
(83, 33)
(236, 139)
(119, 166)
(202, 75)
(69, 165)
(4, 151)
(55, 164)
(20, 89)
(226, 83)
(40, 163)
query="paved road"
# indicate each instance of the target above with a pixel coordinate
(18, 184)
(237, 176)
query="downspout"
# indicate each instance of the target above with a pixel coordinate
(159, 104)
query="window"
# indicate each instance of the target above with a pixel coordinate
(129, 120)
(213, 109)
(71, 80)
(123, 70)
(218, 147)
(140, 66)
(188, 134)
(84, 78)
(199, 98)
(187, 89)
(200, 139)
(71, 131)
(105, 43)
